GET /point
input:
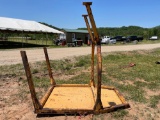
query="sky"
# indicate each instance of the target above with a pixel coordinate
(68, 13)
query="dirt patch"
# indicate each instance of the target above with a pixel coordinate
(17, 105)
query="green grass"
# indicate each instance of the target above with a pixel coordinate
(154, 101)
(83, 78)
(145, 68)
(120, 114)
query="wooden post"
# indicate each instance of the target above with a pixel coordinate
(92, 82)
(98, 105)
(35, 101)
(49, 67)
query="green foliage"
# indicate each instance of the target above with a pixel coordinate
(129, 30)
(50, 25)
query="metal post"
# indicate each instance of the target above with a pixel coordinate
(98, 105)
(35, 101)
(92, 82)
(49, 67)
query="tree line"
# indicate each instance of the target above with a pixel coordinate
(127, 31)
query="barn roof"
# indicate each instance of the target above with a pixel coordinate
(12, 24)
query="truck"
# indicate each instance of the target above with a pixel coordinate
(133, 38)
(108, 40)
(120, 38)
(105, 40)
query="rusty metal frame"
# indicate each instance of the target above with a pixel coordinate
(39, 106)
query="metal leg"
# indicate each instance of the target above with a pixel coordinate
(98, 105)
(49, 67)
(92, 82)
(35, 101)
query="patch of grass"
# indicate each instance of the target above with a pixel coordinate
(154, 85)
(98, 117)
(83, 78)
(154, 100)
(120, 114)
(116, 66)
(83, 61)
(140, 84)
(62, 65)
(35, 71)
(41, 83)
(13, 70)
(134, 93)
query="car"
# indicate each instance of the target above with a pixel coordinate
(140, 38)
(133, 38)
(112, 41)
(120, 38)
(154, 38)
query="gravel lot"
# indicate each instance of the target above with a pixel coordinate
(8, 57)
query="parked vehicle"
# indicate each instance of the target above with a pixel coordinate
(112, 41)
(75, 43)
(105, 40)
(154, 38)
(140, 38)
(133, 38)
(120, 38)
(108, 40)
(59, 42)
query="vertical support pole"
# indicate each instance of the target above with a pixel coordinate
(49, 67)
(22, 39)
(98, 105)
(46, 38)
(92, 82)
(35, 101)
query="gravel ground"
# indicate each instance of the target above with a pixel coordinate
(8, 57)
